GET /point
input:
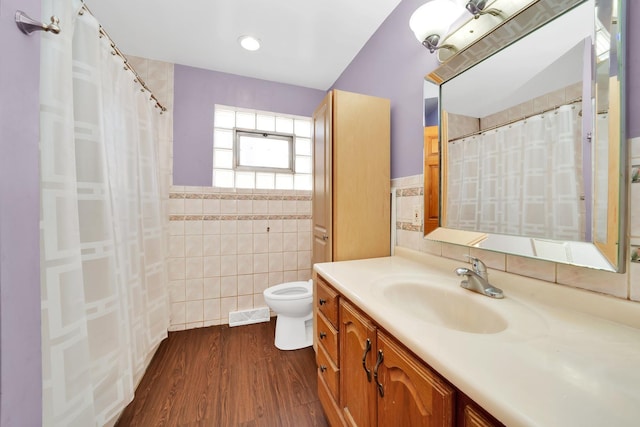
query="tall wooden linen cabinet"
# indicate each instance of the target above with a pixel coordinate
(351, 207)
(351, 177)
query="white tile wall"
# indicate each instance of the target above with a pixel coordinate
(225, 249)
(158, 77)
(626, 286)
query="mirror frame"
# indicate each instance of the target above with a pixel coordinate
(615, 252)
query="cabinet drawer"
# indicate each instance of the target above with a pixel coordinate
(327, 301)
(328, 370)
(328, 336)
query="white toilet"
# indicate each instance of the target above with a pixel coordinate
(293, 304)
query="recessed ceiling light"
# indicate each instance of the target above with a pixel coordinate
(249, 42)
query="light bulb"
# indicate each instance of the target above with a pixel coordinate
(249, 43)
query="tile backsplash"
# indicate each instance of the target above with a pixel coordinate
(626, 286)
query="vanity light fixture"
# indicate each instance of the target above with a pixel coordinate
(477, 8)
(249, 43)
(431, 22)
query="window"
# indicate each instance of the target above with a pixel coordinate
(263, 151)
(256, 149)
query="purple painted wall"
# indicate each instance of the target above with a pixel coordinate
(196, 91)
(20, 349)
(393, 64)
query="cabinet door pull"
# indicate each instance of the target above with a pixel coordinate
(323, 368)
(375, 372)
(322, 301)
(364, 359)
(323, 335)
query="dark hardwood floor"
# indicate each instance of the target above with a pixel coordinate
(222, 376)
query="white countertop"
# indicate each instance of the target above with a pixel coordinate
(568, 357)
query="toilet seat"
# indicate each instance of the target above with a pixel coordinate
(289, 291)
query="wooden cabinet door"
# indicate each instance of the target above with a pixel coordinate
(469, 414)
(322, 181)
(361, 176)
(357, 349)
(412, 394)
(472, 417)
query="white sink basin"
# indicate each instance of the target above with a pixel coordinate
(457, 309)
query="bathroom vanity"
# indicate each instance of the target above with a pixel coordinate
(377, 379)
(399, 342)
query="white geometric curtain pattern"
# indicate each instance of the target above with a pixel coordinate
(104, 293)
(521, 179)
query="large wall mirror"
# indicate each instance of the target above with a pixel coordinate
(532, 153)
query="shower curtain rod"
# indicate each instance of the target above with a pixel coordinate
(490, 128)
(128, 66)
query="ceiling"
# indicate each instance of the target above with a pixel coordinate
(304, 43)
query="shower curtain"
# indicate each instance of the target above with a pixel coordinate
(104, 296)
(520, 179)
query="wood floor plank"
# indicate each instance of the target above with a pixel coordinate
(310, 414)
(202, 376)
(222, 376)
(300, 368)
(269, 393)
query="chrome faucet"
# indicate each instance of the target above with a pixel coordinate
(477, 279)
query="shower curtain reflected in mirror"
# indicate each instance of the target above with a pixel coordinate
(104, 294)
(601, 173)
(542, 195)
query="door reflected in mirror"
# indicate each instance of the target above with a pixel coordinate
(431, 150)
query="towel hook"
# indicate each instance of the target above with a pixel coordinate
(28, 25)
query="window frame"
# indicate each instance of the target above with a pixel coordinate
(290, 139)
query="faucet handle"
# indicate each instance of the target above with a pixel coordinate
(478, 266)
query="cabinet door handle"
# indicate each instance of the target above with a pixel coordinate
(323, 368)
(375, 372)
(364, 359)
(322, 301)
(323, 335)
(325, 237)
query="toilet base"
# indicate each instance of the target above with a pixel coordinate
(293, 333)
